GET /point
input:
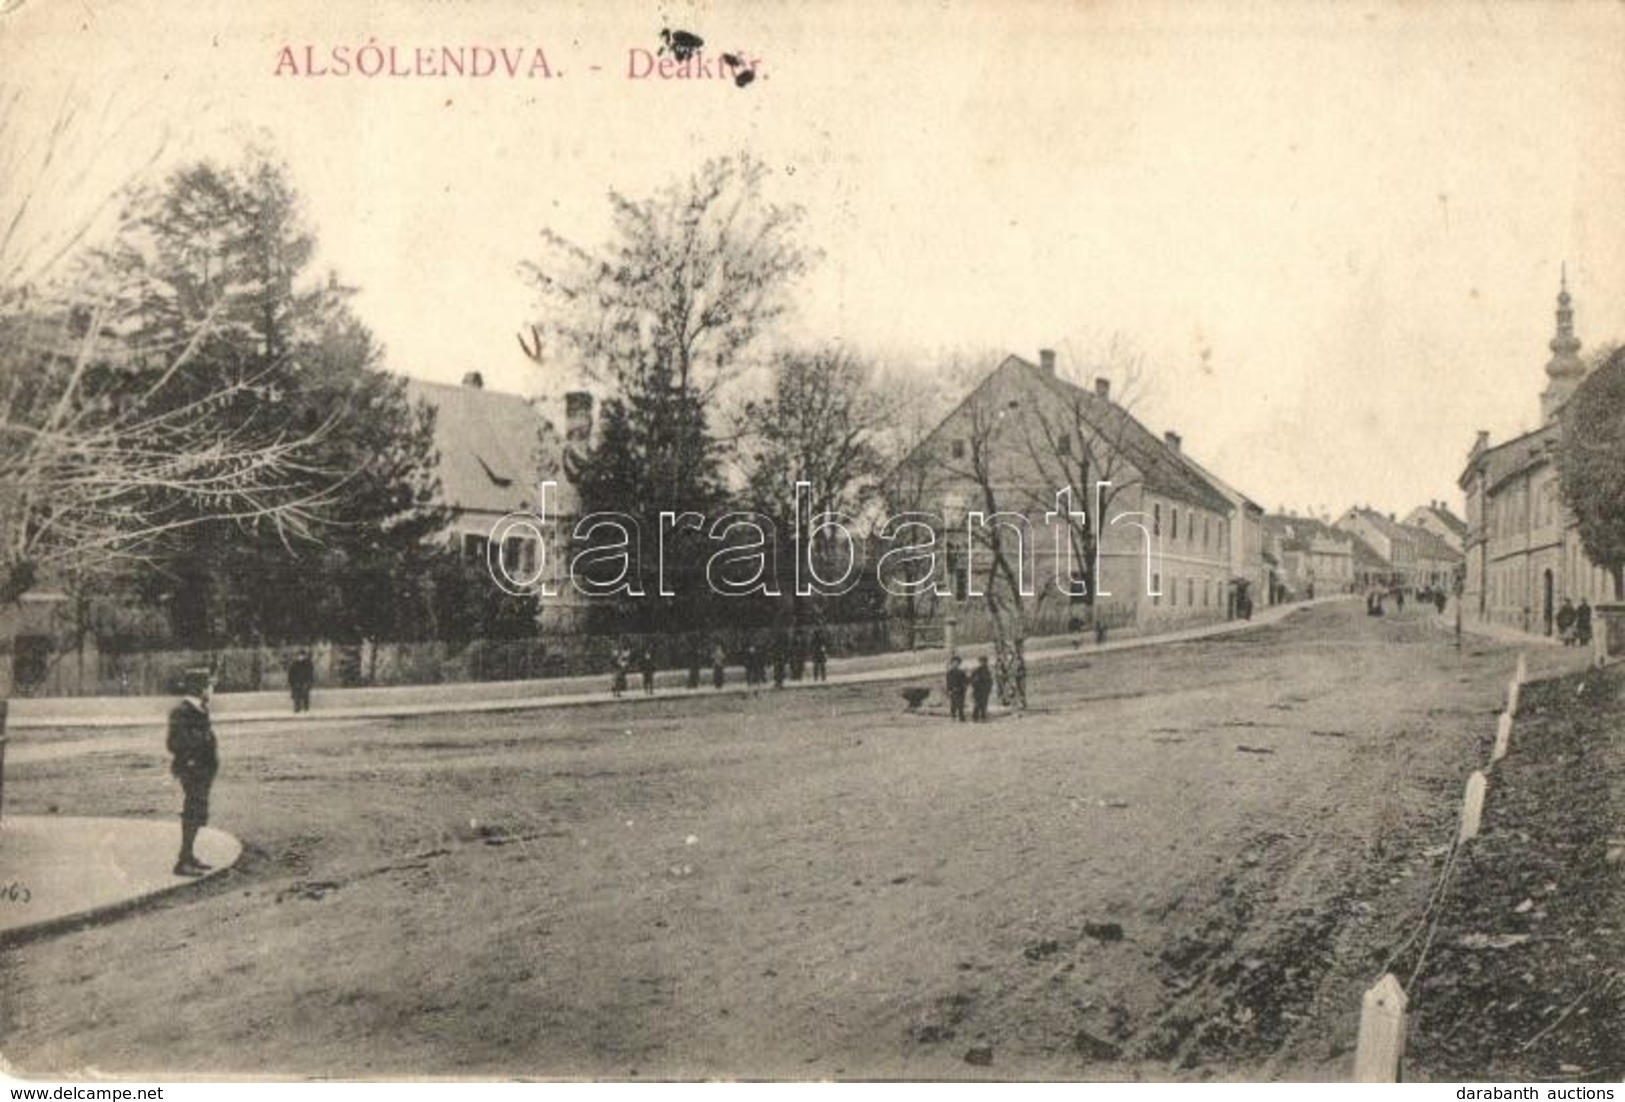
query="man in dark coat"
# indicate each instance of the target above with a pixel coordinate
(820, 658)
(301, 677)
(753, 669)
(981, 687)
(1582, 622)
(195, 761)
(1566, 615)
(798, 657)
(719, 663)
(958, 682)
(646, 667)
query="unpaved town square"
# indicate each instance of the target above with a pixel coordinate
(1187, 861)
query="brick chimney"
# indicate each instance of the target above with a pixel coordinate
(1103, 387)
(474, 380)
(1046, 360)
(1172, 439)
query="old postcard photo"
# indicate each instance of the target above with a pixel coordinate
(812, 541)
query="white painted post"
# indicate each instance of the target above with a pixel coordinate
(1503, 736)
(1472, 808)
(1512, 697)
(1522, 673)
(1381, 1047)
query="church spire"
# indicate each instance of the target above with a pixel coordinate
(1565, 369)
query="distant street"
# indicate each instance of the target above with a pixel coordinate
(1188, 862)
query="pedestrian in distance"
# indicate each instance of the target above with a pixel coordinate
(820, 658)
(621, 661)
(194, 762)
(1582, 622)
(1566, 615)
(981, 687)
(753, 670)
(958, 683)
(301, 677)
(694, 660)
(647, 668)
(798, 657)
(780, 664)
(719, 666)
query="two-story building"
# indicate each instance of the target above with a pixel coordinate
(1523, 549)
(1437, 518)
(1394, 544)
(1315, 559)
(1166, 535)
(494, 450)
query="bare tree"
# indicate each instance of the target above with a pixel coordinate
(102, 456)
(820, 424)
(985, 465)
(688, 282)
(1083, 439)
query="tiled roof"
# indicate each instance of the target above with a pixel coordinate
(1431, 545)
(489, 446)
(1296, 533)
(1505, 460)
(1162, 469)
(1366, 556)
(1449, 520)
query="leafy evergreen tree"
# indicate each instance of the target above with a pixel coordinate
(1591, 460)
(216, 305)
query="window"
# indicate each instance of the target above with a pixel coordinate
(958, 449)
(1156, 589)
(474, 548)
(1063, 443)
(1205, 532)
(1190, 592)
(1173, 530)
(1173, 592)
(1156, 519)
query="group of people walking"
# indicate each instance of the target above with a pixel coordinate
(1574, 624)
(978, 683)
(785, 658)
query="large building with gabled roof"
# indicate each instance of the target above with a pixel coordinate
(1523, 549)
(1168, 538)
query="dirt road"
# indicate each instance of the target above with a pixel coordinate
(1186, 864)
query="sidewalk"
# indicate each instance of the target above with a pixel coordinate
(470, 697)
(56, 869)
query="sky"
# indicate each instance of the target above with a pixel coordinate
(1335, 231)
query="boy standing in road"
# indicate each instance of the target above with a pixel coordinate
(196, 760)
(958, 682)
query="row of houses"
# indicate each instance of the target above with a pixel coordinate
(1207, 535)
(1365, 549)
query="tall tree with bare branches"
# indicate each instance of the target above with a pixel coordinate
(183, 385)
(1082, 439)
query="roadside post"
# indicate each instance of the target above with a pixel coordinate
(1381, 1048)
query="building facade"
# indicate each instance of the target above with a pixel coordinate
(1522, 548)
(494, 451)
(1168, 537)
(1315, 559)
